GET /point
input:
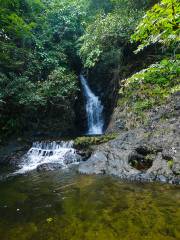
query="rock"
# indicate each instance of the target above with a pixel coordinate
(111, 161)
(176, 180)
(177, 105)
(154, 149)
(96, 164)
(120, 124)
(118, 163)
(160, 167)
(176, 163)
(147, 177)
(162, 179)
(49, 167)
(12, 153)
(156, 140)
(143, 150)
(168, 154)
(84, 154)
(71, 157)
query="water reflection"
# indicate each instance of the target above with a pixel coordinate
(60, 206)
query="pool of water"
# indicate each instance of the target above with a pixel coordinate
(68, 206)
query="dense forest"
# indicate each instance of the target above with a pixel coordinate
(45, 44)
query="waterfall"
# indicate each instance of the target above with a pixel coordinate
(94, 109)
(61, 153)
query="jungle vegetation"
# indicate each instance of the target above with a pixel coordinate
(44, 44)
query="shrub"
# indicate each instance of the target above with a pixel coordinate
(151, 86)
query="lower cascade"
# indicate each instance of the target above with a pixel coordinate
(61, 154)
(94, 109)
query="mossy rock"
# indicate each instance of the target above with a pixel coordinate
(86, 142)
(150, 87)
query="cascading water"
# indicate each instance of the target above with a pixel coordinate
(61, 153)
(94, 109)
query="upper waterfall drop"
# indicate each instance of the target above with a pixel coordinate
(94, 109)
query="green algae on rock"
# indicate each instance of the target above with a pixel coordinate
(87, 141)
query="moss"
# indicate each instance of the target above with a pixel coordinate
(85, 142)
(170, 163)
(143, 105)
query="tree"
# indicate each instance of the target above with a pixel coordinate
(109, 32)
(159, 25)
(37, 50)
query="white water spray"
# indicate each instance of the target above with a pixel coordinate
(94, 109)
(40, 153)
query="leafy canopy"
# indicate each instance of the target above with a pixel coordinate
(110, 31)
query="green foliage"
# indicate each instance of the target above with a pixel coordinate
(18, 90)
(143, 105)
(60, 87)
(159, 25)
(42, 41)
(108, 32)
(37, 57)
(151, 86)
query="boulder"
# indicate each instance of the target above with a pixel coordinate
(71, 157)
(49, 167)
(96, 164)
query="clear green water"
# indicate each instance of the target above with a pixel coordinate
(68, 206)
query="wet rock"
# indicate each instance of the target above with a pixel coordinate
(84, 154)
(49, 167)
(162, 179)
(177, 105)
(71, 157)
(176, 180)
(96, 164)
(145, 177)
(176, 163)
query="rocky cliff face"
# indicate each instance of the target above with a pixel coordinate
(143, 150)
